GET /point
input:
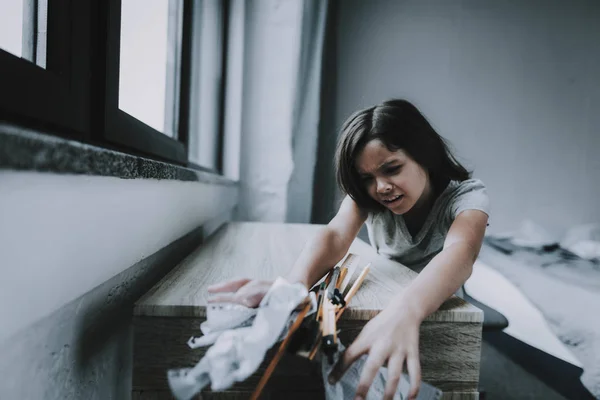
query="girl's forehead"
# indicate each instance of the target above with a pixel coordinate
(376, 155)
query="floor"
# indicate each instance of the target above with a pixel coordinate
(526, 360)
(511, 369)
(526, 322)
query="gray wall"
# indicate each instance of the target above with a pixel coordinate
(79, 244)
(83, 350)
(514, 85)
(63, 235)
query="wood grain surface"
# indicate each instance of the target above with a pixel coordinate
(171, 312)
(268, 250)
(449, 354)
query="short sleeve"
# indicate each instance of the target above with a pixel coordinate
(470, 194)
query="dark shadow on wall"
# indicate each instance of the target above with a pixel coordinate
(324, 191)
(109, 308)
(326, 196)
(84, 349)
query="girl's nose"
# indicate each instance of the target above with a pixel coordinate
(383, 186)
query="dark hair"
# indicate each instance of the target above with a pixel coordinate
(398, 125)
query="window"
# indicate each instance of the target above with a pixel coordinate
(23, 28)
(143, 69)
(40, 80)
(150, 43)
(140, 76)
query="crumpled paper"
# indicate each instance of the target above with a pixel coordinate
(345, 387)
(240, 337)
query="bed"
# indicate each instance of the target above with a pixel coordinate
(550, 298)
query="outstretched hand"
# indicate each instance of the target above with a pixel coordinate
(392, 337)
(247, 292)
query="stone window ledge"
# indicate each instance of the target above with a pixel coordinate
(28, 150)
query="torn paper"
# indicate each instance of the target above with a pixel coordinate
(345, 387)
(237, 352)
(241, 336)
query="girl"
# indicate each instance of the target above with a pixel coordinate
(421, 208)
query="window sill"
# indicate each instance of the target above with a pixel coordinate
(29, 150)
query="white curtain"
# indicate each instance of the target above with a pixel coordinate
(307, 111)
(274, 111)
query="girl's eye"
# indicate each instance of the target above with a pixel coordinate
(393, 170)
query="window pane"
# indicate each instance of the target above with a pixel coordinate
(148, 69)
(23, 29)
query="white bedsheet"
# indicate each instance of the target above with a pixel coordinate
(526, 322)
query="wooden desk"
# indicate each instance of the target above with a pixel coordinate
(166, 317)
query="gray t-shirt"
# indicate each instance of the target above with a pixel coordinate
(390, 236)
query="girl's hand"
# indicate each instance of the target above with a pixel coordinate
(246, 292)
(392, 337)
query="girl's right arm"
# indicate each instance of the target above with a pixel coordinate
(329, 245)
(319, 255)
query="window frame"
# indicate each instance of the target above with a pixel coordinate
(61, 91)
(76, 96)
(120, 128)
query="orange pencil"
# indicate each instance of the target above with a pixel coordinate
(280, 352)
(341, 279)
(354, 289)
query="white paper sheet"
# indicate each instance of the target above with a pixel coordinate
(237, 352)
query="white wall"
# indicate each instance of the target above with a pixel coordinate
(84, 350)
(63, 235)
(515, 86)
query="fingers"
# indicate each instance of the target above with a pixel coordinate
(370, 370)
(414, 371)
(351, 354)
(223, 298)
(395, 365)
(228, 286)
(250, 301)
(246, 292)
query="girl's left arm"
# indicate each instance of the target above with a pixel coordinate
(393, 335)
(451, 268)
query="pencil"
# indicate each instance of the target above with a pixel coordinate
(351, 263)
(328, 277)
(354, 289)
(280, 352)
(341, 279)
(313, 352)
(321, 294)
(329, 336)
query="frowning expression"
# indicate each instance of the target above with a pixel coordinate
(392, 178)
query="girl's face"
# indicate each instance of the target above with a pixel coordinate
(393, 178)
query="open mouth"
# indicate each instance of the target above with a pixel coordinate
(393, 200)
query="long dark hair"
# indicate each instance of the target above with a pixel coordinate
(398, 124)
